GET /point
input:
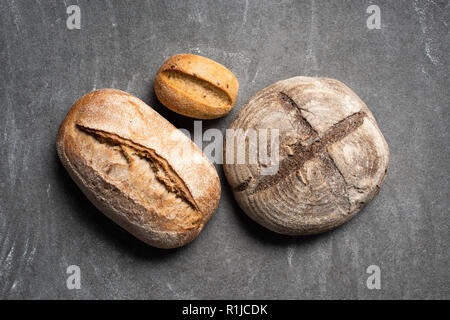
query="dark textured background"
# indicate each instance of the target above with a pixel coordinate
(400, 71)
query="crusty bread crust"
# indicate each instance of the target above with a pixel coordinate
(196, 87)
(333, 157)
(137, 168)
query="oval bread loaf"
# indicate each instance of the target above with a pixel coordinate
(137, 168)
(333, 157)
(196, 87)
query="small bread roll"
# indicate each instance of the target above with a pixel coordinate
(196, 87)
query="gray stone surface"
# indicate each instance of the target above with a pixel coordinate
(400, 71)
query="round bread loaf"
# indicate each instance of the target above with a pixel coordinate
(196, 87)
(332, 157)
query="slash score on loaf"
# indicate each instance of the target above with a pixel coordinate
(137, 168)
(333, 157)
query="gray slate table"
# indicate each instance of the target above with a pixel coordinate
(400, 70)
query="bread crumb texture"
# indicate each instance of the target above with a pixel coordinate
(144, 176)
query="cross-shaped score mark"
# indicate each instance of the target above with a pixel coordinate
(303, 153)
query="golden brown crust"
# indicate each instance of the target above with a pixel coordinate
(333, 157)
(196, 87)
(137, 168)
